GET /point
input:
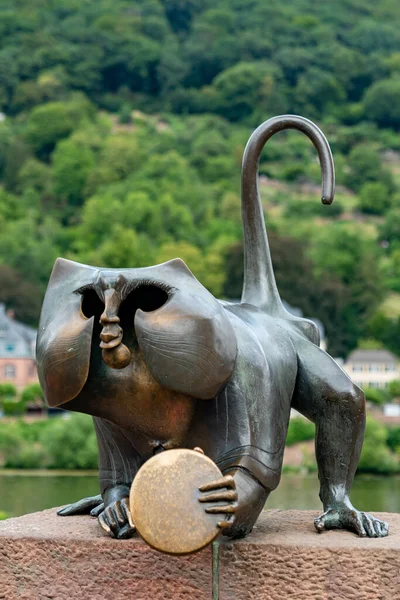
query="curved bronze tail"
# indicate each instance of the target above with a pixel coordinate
(259, 286)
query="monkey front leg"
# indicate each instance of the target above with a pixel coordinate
(237, 496)
(118, 465)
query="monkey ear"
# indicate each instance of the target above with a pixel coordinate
(65, 334)
(188, 344)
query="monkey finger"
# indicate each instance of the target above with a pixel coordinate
(97, 510)
(111, 519)
(127, 512)
(358, 525)
(368, 525)
(198, 449)
(119, 513)
(329, 520)
(225, 524)
(229, 495)
(384, 528)
(378, 528)
(103, 523)
(126, 532)
(225, 482)
(221, 510)
(319, 524)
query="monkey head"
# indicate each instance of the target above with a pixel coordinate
(161, 313)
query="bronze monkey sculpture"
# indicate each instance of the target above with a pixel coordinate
(177, 368)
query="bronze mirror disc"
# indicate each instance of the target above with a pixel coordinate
(164, 501)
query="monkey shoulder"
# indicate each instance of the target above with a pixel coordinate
(261, 339)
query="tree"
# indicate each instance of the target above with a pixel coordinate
(394, 388)
(248, 86)
(376, 396)
(206, 267)
(8, 391)
(49, 123)
(381, 102)
(317, 91)
(72, 164)
(364, 165)
(390, 229)
(71, 443)
(374, 198)
(23, 297)
(376, 456)
(31, 393)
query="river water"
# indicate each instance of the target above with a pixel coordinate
(29, 491)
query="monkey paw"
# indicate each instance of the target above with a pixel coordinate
(116, 519)
(223, 497)
(345, 516)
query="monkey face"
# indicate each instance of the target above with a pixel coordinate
(162, 313)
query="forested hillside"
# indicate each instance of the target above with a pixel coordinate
(122, 128)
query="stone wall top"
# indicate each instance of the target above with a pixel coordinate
(43, 556)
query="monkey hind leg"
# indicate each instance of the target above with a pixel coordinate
(328, 397)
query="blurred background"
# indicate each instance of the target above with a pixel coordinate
(122, 128)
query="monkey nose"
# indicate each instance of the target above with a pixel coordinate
(106, 319)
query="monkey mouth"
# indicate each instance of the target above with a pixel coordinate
(111, 336)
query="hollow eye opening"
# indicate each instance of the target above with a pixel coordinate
(147, 297)
(92, 306)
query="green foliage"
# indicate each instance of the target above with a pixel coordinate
(374, 198)
(381, 102)
(300, 430)
(8, 391)
(124, 132)
(376, 395)
(386, 330)
(376, 456)
(394, 388)
(70, 443)
(49, 123)
(13, 408)
(31, 393)
(393, 439)
(241, 88)
(57, 443)
(364, 165)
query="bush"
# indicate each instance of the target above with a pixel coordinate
(374, 198)
(13, 408)
(376, 456)
(53, 443)
(7, 390)
(71, 443)
(300, 430)
(376, 396)
(393, 439)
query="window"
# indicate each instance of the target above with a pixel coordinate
(9, 371)
(374, 384)
(358, 368)
(391, 367)
(374, 367)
